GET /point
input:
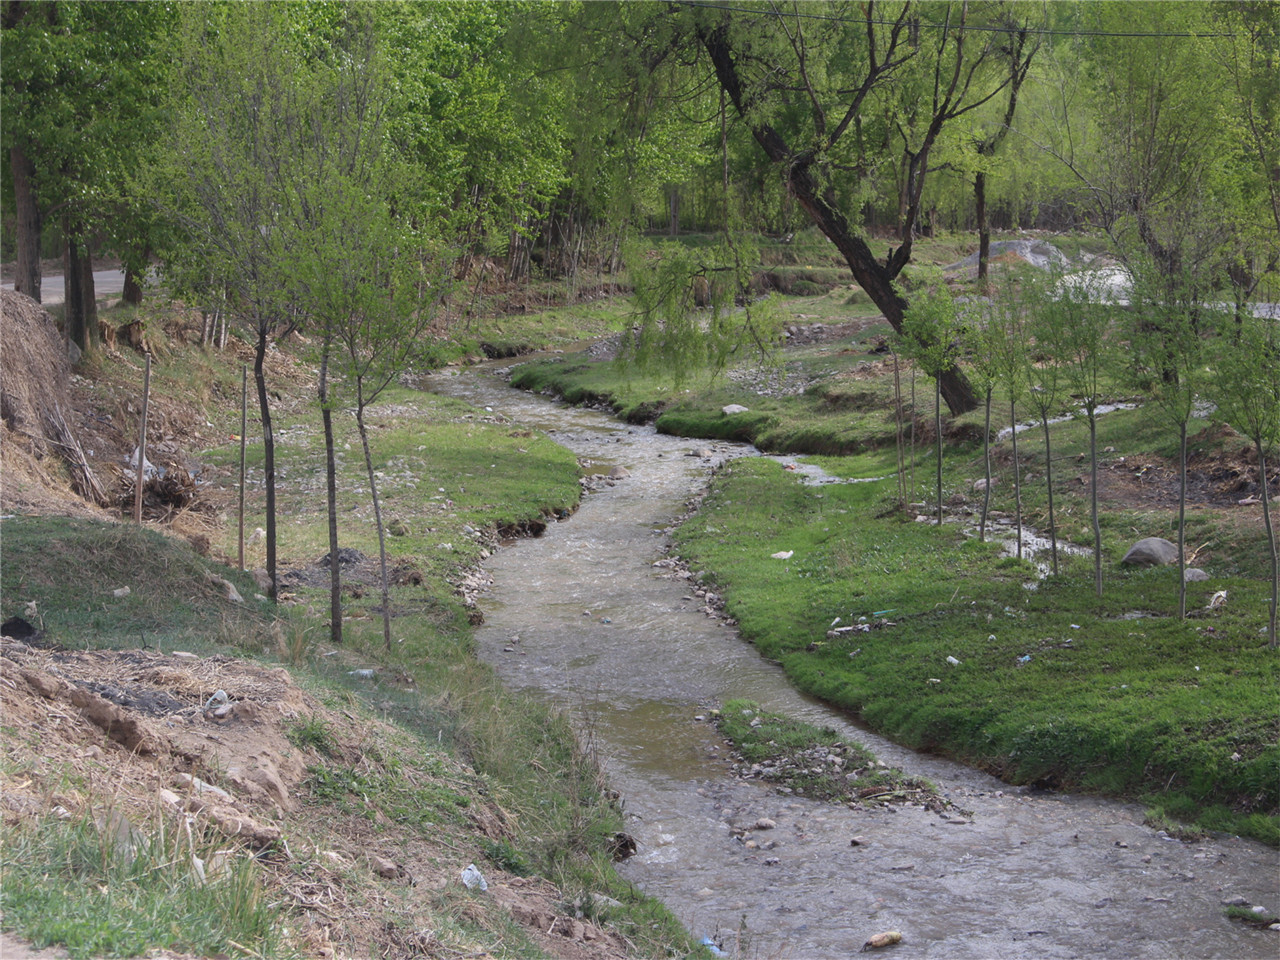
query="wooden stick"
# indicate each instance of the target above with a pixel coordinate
(142, 444)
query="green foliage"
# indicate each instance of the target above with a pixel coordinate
(687, 302)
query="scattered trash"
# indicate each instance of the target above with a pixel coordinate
(835, 621)
(1217, 600)
(711, 945)
(881, 613)
(933, 680)
(1075, 626)
(991, 636)
(473, 878)
(1025, 658)
(953, 661)
(219, 697)
(886, 939)
(605, 620)
(121, 592)
(366, 673)
(783, 555)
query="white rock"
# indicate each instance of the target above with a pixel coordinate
(732, 408)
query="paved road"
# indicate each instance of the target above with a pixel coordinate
(53, 290)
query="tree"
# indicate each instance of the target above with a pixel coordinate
(982, 356)
(1006, 333)
(802, 84)
(1021, 50)
(931, 335)
(1044, 374)
(82, 86)
(374, 292)
(1081, 332)
(240, 135)
(1246, 385)
(1168, 353)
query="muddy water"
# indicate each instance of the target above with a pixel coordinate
(583, 617)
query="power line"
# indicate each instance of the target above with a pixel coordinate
(928, 24)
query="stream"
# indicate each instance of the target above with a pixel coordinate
(582, 617)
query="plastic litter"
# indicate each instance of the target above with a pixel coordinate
(953, 661)
(711, 945)
(364, 674)
(219, 696)
(472, 878)
(886, 939)
(782, 555)
(1025, 658)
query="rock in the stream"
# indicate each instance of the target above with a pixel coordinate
(619, 473)
(1151, 552)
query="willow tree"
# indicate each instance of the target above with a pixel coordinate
(826, 89)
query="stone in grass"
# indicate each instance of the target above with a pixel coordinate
(1194, 575)
(730, 409)
(1151, 552)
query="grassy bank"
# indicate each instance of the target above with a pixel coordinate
(1051, 686)
(459, 749)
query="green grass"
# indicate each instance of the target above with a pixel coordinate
(109, 891)
(1180, 712)
(71, 569)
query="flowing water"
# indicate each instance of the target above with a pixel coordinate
(583, 617)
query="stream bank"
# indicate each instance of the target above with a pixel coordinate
(584, 616)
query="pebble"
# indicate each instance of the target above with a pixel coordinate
(764, 823)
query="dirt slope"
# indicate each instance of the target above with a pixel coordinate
(147, 738)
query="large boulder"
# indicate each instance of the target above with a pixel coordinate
(1151, 552)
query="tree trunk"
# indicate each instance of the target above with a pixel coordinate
(268, 452)
(1182, 519)
(377, 515)
(673, 210)
(132, 293)
(89, 299)
(984, 231)
(1274, 641)
(28, 225)
(1017, 472)
(73, 318)
(1048, 485)
(937, 439)
(986, 461)
(1093, 504)
(331, 502)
